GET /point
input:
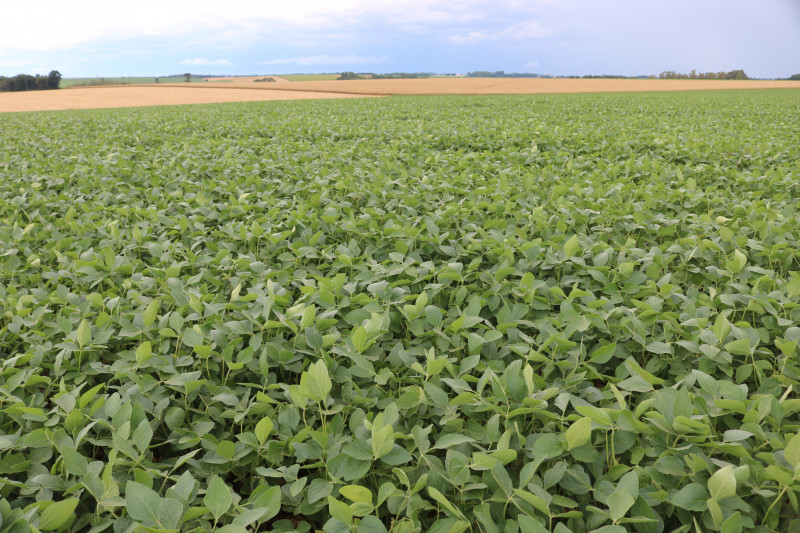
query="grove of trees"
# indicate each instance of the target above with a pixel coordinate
(398, 76)
(667, 74)
(694, 75)
(501, 74)
(26, 82)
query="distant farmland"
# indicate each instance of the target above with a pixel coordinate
(232, 89)
(444, 86)
(124, 80)
(149, 95)
(310, 77)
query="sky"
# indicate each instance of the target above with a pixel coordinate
(558, 37)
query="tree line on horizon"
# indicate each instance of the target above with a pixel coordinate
(694, 75)
(667, 74)
(349, 75)
(27, 82)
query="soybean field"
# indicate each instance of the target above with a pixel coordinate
(516, 314)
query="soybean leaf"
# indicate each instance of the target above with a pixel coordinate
(316, 383)
(218, 497)
(57, 514)
(579, 432)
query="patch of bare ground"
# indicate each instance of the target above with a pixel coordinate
(147, 95)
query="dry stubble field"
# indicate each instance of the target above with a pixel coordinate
(246, 89)
(145, 95)
(515, 85)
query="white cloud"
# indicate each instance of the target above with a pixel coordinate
(529, 29)
(203, 61)
(325, 60)
(532, 65)
(60, 24)
(10, 64)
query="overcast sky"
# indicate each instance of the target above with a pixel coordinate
(630, 37)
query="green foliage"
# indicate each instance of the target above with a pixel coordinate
(527, 314)
(126, 80)
(57, 514)
(731, 75)
(26, 82)
(309, 77)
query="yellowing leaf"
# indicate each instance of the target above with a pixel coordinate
(359, 339)
(737, 262)
(150, 314)
(340, 511)
(739, 347)
(356, 493)
(382, 440)
(315, 383)
(579, 432)
(143, 352)
(722, 484)
(83, 335)
(792, 451)
(57, 514)
(572, 246)
(263, 429)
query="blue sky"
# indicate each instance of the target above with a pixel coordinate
(630, 37)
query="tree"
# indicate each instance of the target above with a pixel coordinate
(736, 75)
(732, 75)
(188, 77)
(26, 82)
(53, 79)
(795, 77)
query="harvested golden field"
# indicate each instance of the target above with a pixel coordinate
(236, 89)
(147, 95)
(517, 85)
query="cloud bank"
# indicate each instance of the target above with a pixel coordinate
(202, 61)
(153, 37)
(325, 59)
